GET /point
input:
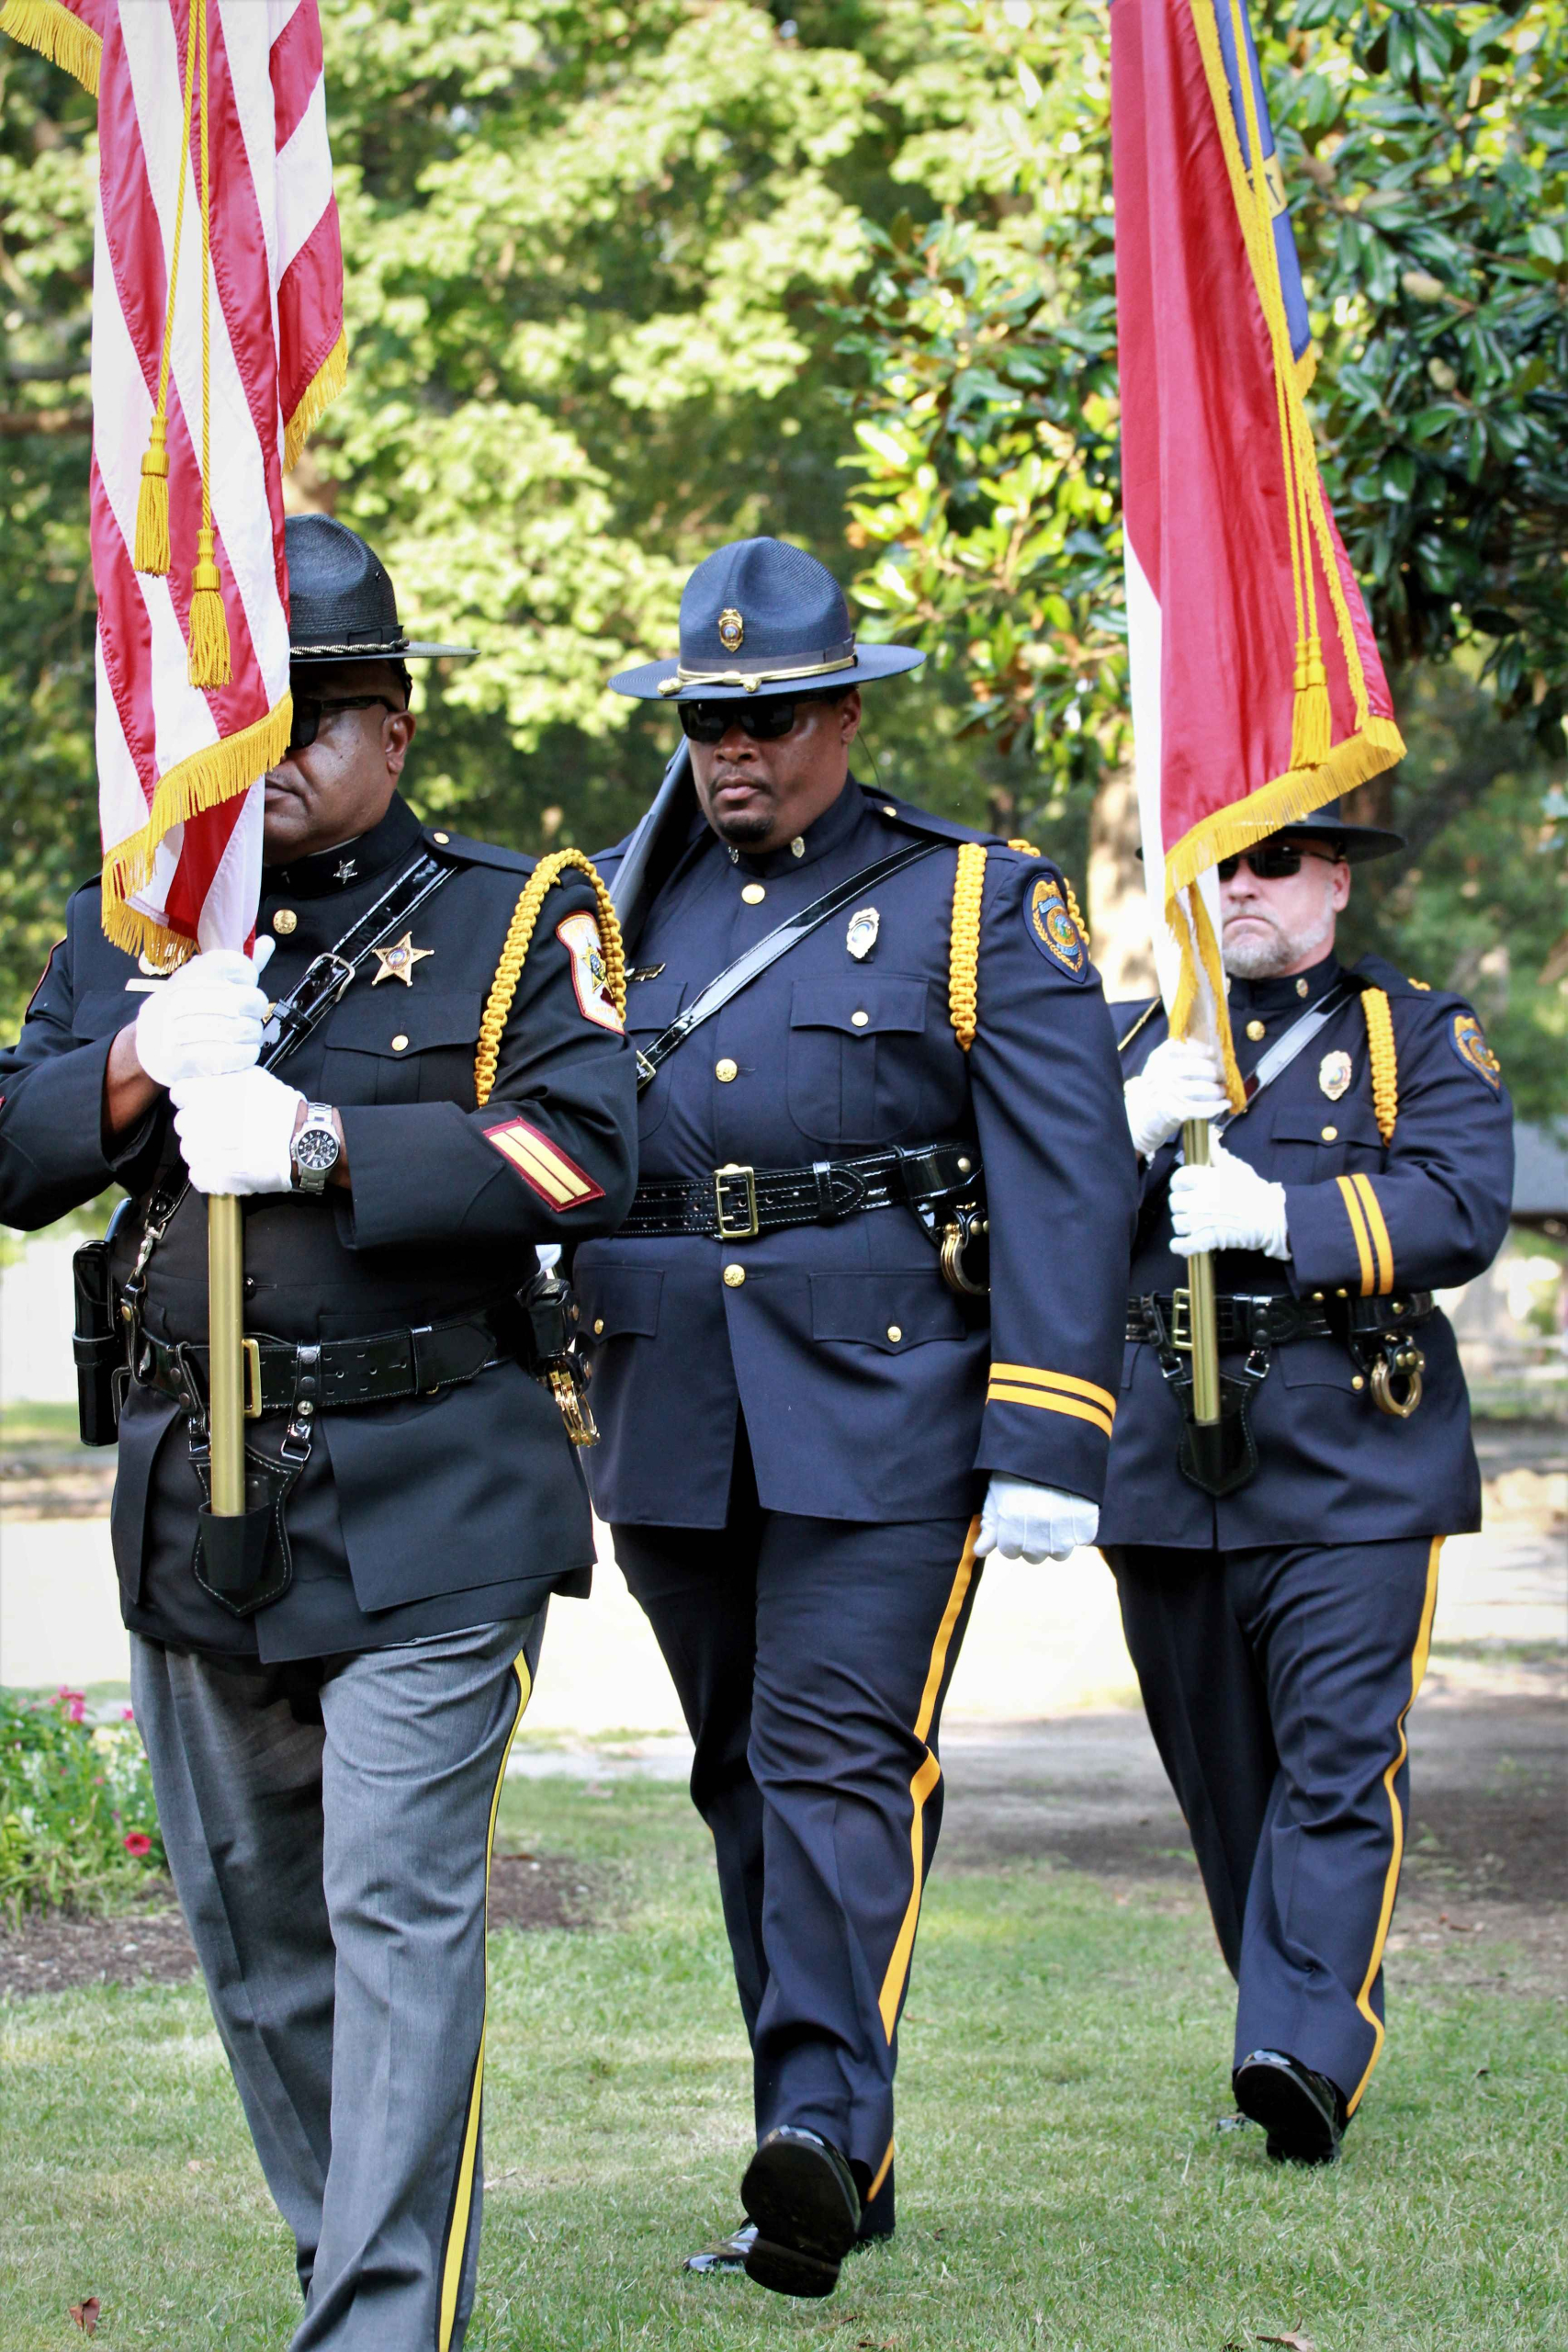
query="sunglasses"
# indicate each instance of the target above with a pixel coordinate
(1273, 860)
(764, 721)
(308, 715)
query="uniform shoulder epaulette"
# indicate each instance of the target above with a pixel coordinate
(472, 852)
(1378, 972)
(922, 820)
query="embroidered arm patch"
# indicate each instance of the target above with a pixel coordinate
(579, 935)
(1052, 929)
(543, 1165)
(1469, 1042)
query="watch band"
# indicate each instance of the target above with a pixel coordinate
(310, 1176)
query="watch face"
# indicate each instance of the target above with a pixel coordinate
(315, 1148)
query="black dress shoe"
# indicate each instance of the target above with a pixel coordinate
(802, 2197)
(1302, 2113)
(725, 2253)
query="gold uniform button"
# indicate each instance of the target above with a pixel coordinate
(1300, 988)
(860, 1019)
(1356, 1380)
(895, 1332)
(598, 1327)
(285, 921)
(888, 809)
(1255, 1029)
(726, 1069)
(442, 838)
(734, 1276)
(399, 1044)
(1330, 1135)
(753, 894)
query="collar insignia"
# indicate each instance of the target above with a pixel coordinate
(398, 962)
(1334, 1074)
(345, 872)
(861, 937)
(731, 629)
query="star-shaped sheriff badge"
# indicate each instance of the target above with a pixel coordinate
(398, 962)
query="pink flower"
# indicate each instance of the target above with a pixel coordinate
(138, 1842)
(127, 1714)
(73, 1702)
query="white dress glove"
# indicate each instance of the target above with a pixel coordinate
(1227, 1205)
(1180, 1080)
(235, 1132)
(207, 1019)
(1023, 1521)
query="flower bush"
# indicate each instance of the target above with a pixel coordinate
(77, 1823)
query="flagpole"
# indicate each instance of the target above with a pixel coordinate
(225, 1330)
(1202, 1328)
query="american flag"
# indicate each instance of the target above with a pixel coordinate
(222, 393)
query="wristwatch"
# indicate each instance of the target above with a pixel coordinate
(315, 1150)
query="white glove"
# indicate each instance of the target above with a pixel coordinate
(235, 1131)
(1024, 1521)
(1227, 1205)
(1180, 1080)
(207, 1019)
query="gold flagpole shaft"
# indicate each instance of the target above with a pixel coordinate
(225, 1311)
(1201, 1296)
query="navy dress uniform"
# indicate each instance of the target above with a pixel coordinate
(327, 1748)
(799, 1413)
(1280, 1630)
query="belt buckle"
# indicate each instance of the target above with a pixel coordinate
(1181, 1321)
(252, 1352)
(735, 1232)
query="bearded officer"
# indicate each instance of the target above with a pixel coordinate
(801, 1416)
(1279, 1625)
(327, 1742)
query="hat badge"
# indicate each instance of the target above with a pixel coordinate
(731, 629)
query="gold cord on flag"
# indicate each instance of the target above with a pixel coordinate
(150, 553)
(211, 663)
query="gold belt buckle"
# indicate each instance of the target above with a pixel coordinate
(1181, 1320)
(252, 1349)
(751, 1228)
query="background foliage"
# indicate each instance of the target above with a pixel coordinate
(78, 1825)
(627, 281)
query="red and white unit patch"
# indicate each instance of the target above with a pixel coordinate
(543, 1165)
(579, 935)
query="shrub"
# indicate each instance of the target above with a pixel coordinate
(77, 1822)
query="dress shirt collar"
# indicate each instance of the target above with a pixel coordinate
(1289, 994)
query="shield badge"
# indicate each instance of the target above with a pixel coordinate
(1334, 1074)
(861, 937)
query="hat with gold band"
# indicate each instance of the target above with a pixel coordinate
(342, 605)
(763, 618)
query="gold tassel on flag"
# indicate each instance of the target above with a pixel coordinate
(211, 661)
(150, 553)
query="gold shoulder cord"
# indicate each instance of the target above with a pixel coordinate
(964, 950)
(519, 938)
(1385, 1060)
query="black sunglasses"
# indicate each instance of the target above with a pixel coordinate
(308, 715)
(765, 722)
(1273, 860)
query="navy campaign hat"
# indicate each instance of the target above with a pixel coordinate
(1354, 843)
(758, 618)
(342, 606)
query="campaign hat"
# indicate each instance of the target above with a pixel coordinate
(761, 616)
(342, 605)
(1354, 843)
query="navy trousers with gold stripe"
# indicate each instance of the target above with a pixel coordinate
(333, 1875)
(812, 1657)
(1277, 1683)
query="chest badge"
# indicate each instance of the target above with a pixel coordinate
(398, 962)
(1334, 1074)
(861, 937)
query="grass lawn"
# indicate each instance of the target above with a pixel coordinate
(1061, 2180)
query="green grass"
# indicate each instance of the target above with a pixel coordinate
(1061, 2181)
(30, 1424)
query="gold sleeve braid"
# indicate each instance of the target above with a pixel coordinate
(513, 955)
(1385, 1060)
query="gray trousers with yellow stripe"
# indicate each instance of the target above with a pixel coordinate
(1278, 1683)
(334, 1875)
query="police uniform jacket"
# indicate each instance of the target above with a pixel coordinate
(1427, 1210)
(869, 1392)
(441, 1510)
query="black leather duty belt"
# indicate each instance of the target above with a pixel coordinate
(737, 1204)
(1248, 1320)
(282, 1377)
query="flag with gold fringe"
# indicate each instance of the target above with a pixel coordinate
(217, 340)
(1257, 692)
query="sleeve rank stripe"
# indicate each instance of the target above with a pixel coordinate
(542, 1165)
(1382, 1247)
(1358, 1228)
(1030, 1378)
(1000, 1394)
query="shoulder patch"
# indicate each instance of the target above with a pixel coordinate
(1052, 927)
(580, 935)
(1469, 1041)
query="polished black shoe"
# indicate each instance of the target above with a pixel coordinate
(1302, 2113)
(725, 2253)
(802, 2197)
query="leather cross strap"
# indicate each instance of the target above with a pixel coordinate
(1294, 1040)
(328, 977)
(737, 1204)
(767, 951)
(375, 1369)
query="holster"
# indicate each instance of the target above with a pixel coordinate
(97, 1344)
(543, 1332)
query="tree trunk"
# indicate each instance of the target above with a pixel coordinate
(1117, 908)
